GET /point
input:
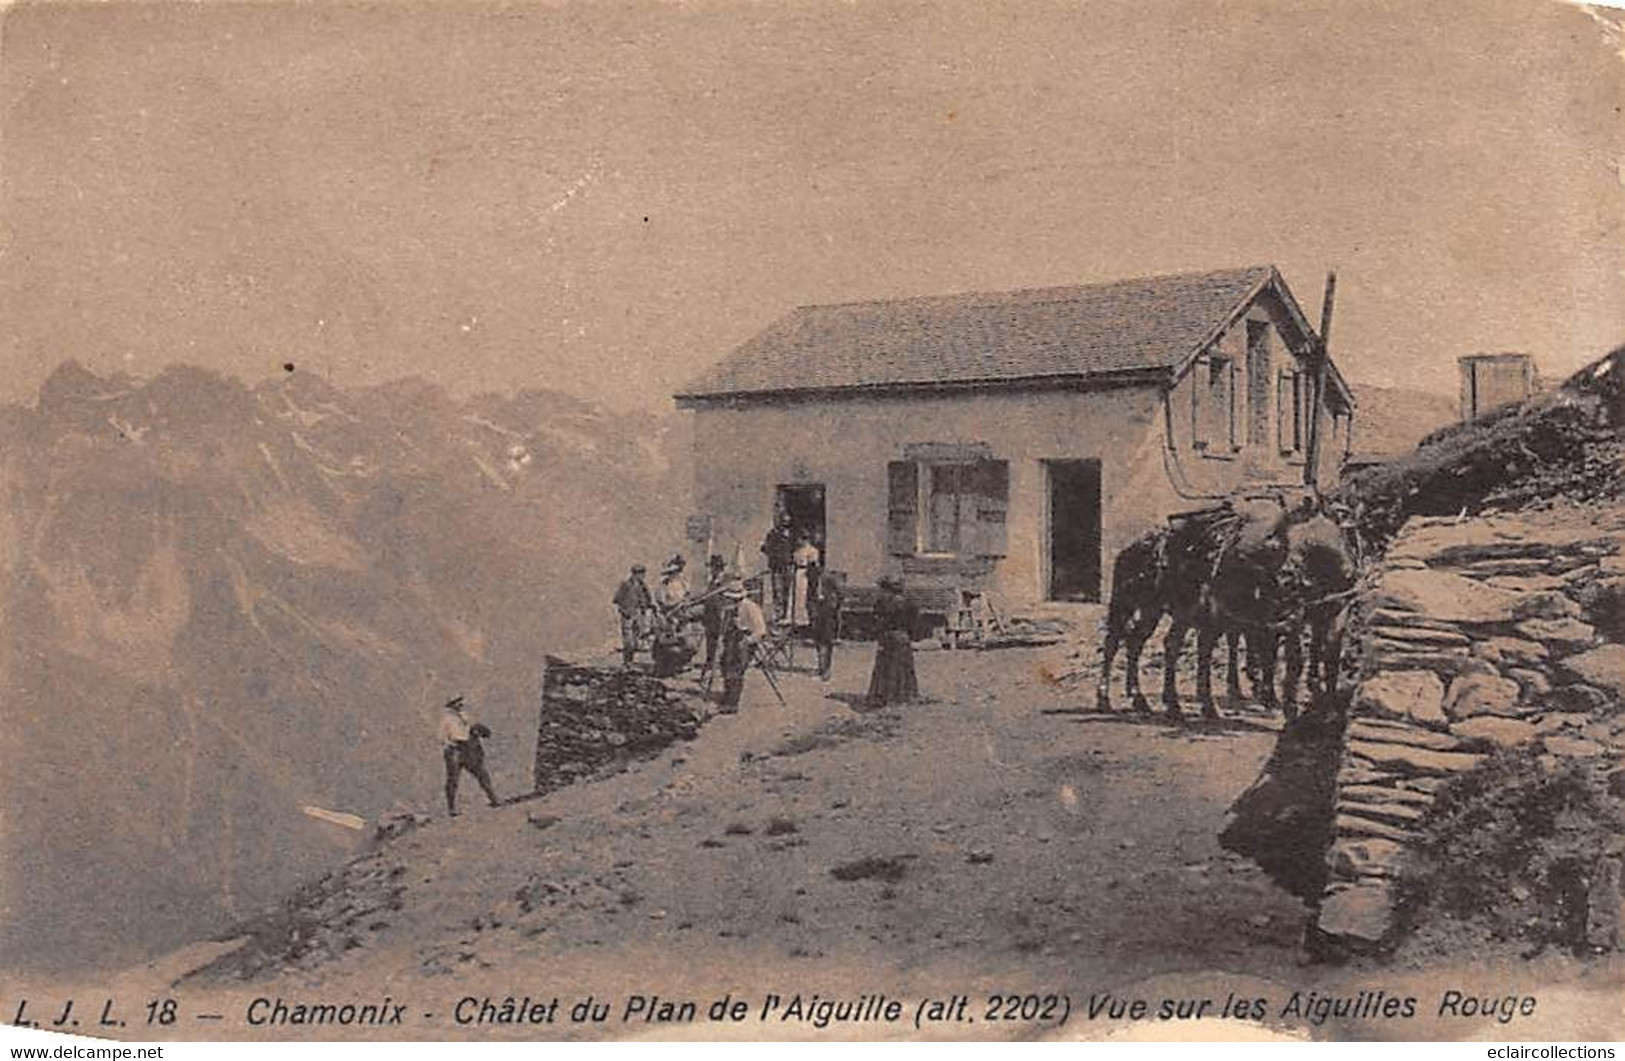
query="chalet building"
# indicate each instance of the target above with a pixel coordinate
(1010, 443)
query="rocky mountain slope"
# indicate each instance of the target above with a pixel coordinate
(220, 604)
(1390, 421)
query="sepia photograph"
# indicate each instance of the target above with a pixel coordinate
(824, 520)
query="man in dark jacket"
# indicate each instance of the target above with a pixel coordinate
(711, 614)
(778, 548)
(633, 603)
(826, 618)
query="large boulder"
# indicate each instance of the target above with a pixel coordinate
(1410, 761)
(1561, 635)
(1534, 684)
(1386, 732)
(1577, 698)
(1573, 747)
(1518, 650)
(1361, 916)
(1351, 824)
(1545, 605)
(1494, 731)
(1443, 595)
(1355, 857)
(1482, 694)
(1602, 667)
(1409, 695)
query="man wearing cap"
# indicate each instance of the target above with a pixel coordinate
(711, 612)
(743, 626)
(462, 750)
(632, 602)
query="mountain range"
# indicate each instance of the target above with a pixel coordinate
(221, 604)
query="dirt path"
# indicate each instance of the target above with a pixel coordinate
(993, 840)
(990, 839)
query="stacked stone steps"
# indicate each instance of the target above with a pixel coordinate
(1476, 636)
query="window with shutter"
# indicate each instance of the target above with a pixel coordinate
(942, 500)
(948, 508)
(902, 499)
(1290, 423)
(1259, 369)
(1214, 412)
(986, 508)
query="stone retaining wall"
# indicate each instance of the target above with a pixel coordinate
(1479, 634)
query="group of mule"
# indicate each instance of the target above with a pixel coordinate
(1266, 572)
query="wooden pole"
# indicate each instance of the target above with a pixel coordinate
(1321, 359)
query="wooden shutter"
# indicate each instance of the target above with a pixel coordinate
(1286, 402)
(985, 508)
(1232, 380)
(902, 507)
(1199, 383)
(1300, 398)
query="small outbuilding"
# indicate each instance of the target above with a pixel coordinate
(1010, 443)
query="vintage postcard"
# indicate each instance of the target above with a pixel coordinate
(808, 520)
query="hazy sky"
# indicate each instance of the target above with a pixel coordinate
(606, 197)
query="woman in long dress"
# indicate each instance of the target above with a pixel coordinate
(893, 680)
(805, 558)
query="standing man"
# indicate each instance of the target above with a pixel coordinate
(632, 602)
(743, 626)
(826, 619)
(462, 750)
(711, 613)
(778, 547)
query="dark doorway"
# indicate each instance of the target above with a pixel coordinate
(804, 504)
(1074, 530)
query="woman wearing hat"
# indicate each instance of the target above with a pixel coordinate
(893, 680)
(673, 586)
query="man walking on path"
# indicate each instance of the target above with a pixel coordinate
(462, 750)
(633, 603)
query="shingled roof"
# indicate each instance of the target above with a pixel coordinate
(1146, 325)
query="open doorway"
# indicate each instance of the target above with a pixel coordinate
(1074, 529)
(804, 504)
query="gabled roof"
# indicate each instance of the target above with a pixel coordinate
(1147, 326)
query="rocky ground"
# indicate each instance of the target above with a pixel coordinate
(999, 838)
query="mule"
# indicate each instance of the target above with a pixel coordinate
(1165, 571)
(1132, 614)
(1242, 558)
(1318, 581)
